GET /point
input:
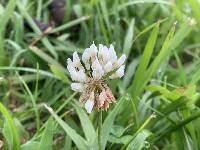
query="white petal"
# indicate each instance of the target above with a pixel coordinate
(78, 87)
(75, 58)
(69, 62)
(108, 67)
(103, 54)
(90, 103)
(96, 65)
(73, 74)
(71, 69)
(101, 47)
(112, 53)
(121, 60)
(82, 77)
(89, 54)
(85, 55)
(119, 73)
(76, 61)
(93, 52)
(86, 58)
(98, 71)
(89, 106)
(93, 48)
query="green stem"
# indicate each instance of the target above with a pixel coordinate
(99, 130)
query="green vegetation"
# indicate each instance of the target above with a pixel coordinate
(157, 99)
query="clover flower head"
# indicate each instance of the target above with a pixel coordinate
(90, 76)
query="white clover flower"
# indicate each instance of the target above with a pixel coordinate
(101, 63)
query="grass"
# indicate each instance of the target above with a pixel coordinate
(157, 99)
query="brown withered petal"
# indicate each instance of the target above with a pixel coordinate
(102, 97)
(106, 105)
(83, 98)
(96, 102)
(110, 95)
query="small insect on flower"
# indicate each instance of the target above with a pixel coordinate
(90, 76)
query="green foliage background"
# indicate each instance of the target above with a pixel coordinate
(158, 98)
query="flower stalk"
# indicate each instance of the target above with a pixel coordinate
(100, 130)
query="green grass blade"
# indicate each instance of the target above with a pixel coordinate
(77, 139)
(169, 44)
(163, 91)
(39, 9)
(144, 61)
(180, 35)
(134, 140)
(142, 2)
(179, 125)
(11, 127)
(149, 28)
(46, 57)
(29, 19)
(108, 123)
(3, 59)
(155, 64)
(162, 54)
(196, 9)
(190, 127)
(105, 15)
(47, 137)
(128, 41)
(26, 69)
(139, 141)
(87, 126)
(7, 14)
(59, 73)
(3, 22)
(129, 73)
(30, 145)
(182, 74)
(70, 24)
(196, 76)
(167, 110)
(33, 102)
